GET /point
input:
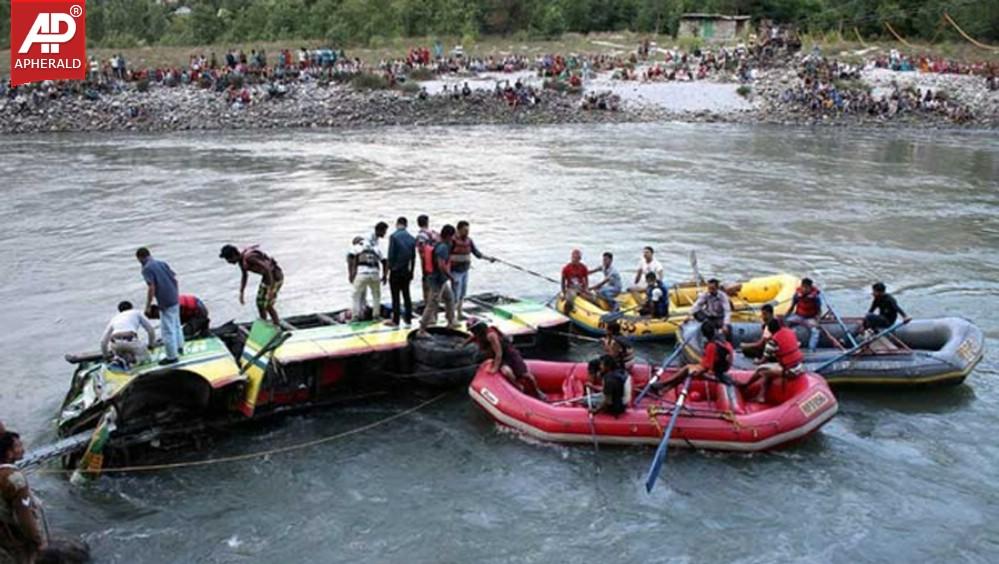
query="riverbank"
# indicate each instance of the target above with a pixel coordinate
(611, 85)
(311, 105)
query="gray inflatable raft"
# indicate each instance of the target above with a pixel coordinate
(924, 351)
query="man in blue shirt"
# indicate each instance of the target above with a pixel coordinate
(161, 283)
(401, 262)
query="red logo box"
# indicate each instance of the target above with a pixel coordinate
(48, 40)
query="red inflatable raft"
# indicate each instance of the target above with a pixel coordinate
(708, 421)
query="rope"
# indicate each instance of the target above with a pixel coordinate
(528, 271)
(899, 37)
(248, 456)
(966, 36)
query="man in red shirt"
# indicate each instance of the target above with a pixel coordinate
(575, 275)
(193, 316)
(575, 278)
(782, 357)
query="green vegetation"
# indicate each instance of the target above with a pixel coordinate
(374, 23)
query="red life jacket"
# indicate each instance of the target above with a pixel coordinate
(426, 252)
(808, 304)
(788, 351)
(461, 249)
(427, 258)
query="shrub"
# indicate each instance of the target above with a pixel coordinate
(744, 91)
(369, 81)
(421, 74)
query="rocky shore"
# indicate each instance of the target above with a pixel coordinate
(314, 105)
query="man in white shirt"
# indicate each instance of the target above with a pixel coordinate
(366, 272)
(121, 337)
(646, 264)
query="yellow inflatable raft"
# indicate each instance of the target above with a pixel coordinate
(747, 297)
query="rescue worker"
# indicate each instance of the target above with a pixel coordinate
(712, 307)
(193, 316)
(613, 382)
(121, 337)
(887, 309)
(716, 360)
(755, 348)
(806, 308)
(504, 358)
(608, 288)
(364, 262)
(646, 264)
(425, 241)
(161, 284)
(401, 263)
(440, 284)
(252, 259)
(617, 346)
(656, 297)
(575, 279)
(23, 533)
(462, 249)
(782, 357)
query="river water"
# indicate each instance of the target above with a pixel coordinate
(896, 476)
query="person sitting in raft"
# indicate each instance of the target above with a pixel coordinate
(716, 360)
(504, 358)
(806, 306)
(193, 316)
(755, 348)
(712, 307)
(656, 297)
(121, 337)
(886, 307)
(646, 264)
(252, 259)
(608, 288)
(617, 346)
(575, 279)
(613, 382)
(782, 357)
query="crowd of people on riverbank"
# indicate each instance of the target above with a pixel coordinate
(827, 87)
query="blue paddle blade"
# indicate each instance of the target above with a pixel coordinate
(657, 465)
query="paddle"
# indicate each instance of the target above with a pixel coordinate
(665, 363)
(527, 271)
(593, 427)
(857, 347)
(849, 335)
(660, 457)
(698, 279)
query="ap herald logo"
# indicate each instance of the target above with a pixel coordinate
(47, 40)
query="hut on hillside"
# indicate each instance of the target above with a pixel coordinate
(712, 27)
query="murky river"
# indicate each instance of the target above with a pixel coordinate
(896, 477)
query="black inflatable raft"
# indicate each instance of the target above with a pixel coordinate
(924, 351)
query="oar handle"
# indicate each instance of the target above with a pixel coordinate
(653, 379)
